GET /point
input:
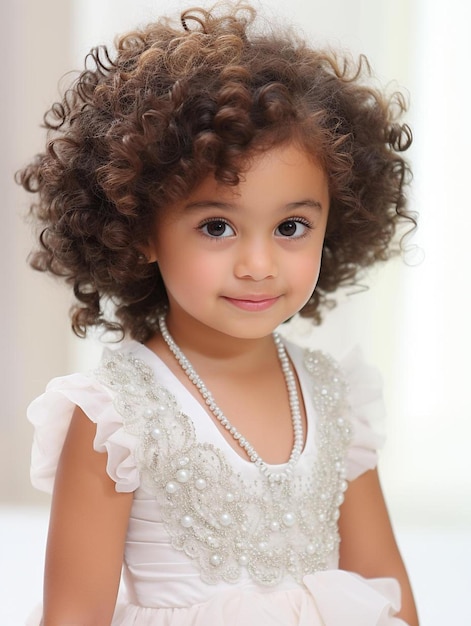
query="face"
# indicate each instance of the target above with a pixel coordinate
(238, 261)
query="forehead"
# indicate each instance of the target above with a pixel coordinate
(279, 175)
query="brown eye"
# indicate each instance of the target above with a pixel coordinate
(217, 228)
(292, 228)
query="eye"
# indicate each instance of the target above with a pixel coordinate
(217, 228)
(293, 228)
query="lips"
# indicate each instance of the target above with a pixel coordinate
(253, 302)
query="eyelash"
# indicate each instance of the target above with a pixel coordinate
(220, 220)
(297, 220)
(213, 220)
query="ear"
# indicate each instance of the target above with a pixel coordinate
(150, 257)
(148, 253)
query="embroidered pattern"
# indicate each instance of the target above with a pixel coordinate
(212, 513)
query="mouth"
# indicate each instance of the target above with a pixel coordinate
(253, 303)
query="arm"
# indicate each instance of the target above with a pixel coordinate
(368, 546)
(86, 534)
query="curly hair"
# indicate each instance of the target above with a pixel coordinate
(180, 100)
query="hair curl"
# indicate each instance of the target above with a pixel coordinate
(139, 131)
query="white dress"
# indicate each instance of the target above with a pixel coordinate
(211, 540)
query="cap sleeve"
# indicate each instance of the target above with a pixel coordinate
(51, 414)
(367, 413)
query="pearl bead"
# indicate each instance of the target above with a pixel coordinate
(225, 519)
(274, 526)
(230, 497)
(186, 521)
(155, 433)
(294, 404)
(183, 461)
(171, 487)
(215, 560)
(289, 519)
(200, 484)
(243, 559)
(183, 476)
(310, 548)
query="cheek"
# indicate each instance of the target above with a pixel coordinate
(185, 270)
(311, 265)
(306, 274)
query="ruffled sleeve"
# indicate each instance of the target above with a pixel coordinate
(367, 414)
(51, 414)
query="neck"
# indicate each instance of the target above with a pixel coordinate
(193, 377)
(196, 339)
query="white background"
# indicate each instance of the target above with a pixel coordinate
(413, 322)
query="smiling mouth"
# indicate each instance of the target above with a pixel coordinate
(253, 303)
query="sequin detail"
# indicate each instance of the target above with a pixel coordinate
(218, 518)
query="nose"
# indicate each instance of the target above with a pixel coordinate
(256, 259)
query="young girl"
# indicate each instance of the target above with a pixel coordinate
(189, 189)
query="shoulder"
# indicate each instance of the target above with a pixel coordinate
(325, 375)
(349, 389)
(51, 415)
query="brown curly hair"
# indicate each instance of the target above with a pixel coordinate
(139, 131)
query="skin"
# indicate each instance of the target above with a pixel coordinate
(368, 545)
(236, 263)
(87, 530)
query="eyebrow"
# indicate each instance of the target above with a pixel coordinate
(214, 204)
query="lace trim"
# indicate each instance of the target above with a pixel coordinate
(218, 518)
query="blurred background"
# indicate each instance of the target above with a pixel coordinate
(413, 322)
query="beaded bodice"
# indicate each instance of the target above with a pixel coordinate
(215, 515)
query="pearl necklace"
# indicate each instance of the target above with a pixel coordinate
(222, 419)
